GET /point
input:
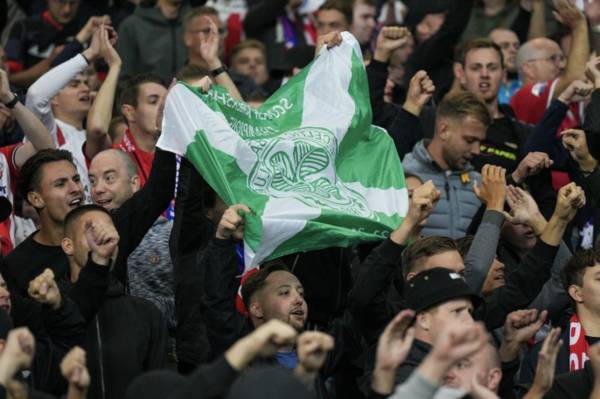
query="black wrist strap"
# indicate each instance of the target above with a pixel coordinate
(11, 104)
(215, 72)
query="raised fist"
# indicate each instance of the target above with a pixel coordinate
(43, 289)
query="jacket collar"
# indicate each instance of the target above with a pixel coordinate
(421, 154)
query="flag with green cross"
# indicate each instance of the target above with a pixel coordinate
(310, 165)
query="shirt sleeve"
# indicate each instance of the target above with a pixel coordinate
(48, 85)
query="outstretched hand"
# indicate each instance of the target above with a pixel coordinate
(546, 365)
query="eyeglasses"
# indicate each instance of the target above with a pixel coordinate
(556, 58)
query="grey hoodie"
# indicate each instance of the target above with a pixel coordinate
(148, 42)
(458, 203)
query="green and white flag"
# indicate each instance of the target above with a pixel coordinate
(308, 162)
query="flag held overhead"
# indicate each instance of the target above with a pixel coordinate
(299, 160)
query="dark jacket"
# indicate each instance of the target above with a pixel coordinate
(574, 385)
(55, 332)
(372, 309)
(127, 337)
(137, 215)
(132, 221)
(418, 352)
(149, 42)
(190, 235)
(436, 54)
(225, 325)
(261, 23)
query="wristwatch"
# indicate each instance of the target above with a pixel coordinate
(215, 72)
(11, 104)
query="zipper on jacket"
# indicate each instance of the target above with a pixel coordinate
(100, 358)
(447, 187)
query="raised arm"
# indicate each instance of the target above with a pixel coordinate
(74, 370)
(525, 283)
(224, 324)
(209, 49)
(46, 87)
(431, 54)
(368, 298)
(568, 14)
(100, 114)
(33, 128)
(537, 22)
(524, 210)
(406, 128)
(388, 40)
(485, 243)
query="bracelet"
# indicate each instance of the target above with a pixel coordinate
(215, 72)
(85, 58)
(11, 104)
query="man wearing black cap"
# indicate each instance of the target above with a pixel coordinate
(438, 296)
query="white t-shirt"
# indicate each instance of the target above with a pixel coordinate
(64, 135)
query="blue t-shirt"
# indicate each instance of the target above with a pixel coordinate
(289, 360)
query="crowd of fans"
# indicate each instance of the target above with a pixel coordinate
(120, 270)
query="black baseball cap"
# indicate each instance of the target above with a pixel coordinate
(435, 286)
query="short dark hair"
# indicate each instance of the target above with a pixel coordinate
(257, 281)
(74, 215)
(423, 248)
(461, 105)
(476, 44)
(131, 88)
(464, 244)
(31, 171)
(190, 72)
(367, 2)
(248, 43)
(342, 6)
(572, 273)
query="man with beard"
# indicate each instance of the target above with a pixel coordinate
(461, 124)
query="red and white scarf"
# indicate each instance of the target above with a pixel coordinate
(578, 345)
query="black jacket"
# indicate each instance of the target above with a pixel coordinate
(191, 232)
(436, 54)
(574, 385)
(137, 215)
(225, 325)
(127, 337)
(132, 220)
(261, 23)
(373, 310)
(55, 333)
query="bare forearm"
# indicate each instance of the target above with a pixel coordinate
(76, 393)
(224, 80)
(100, 113)
(33, 128)
(537, 23)
(578, 57)
(553, 233)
